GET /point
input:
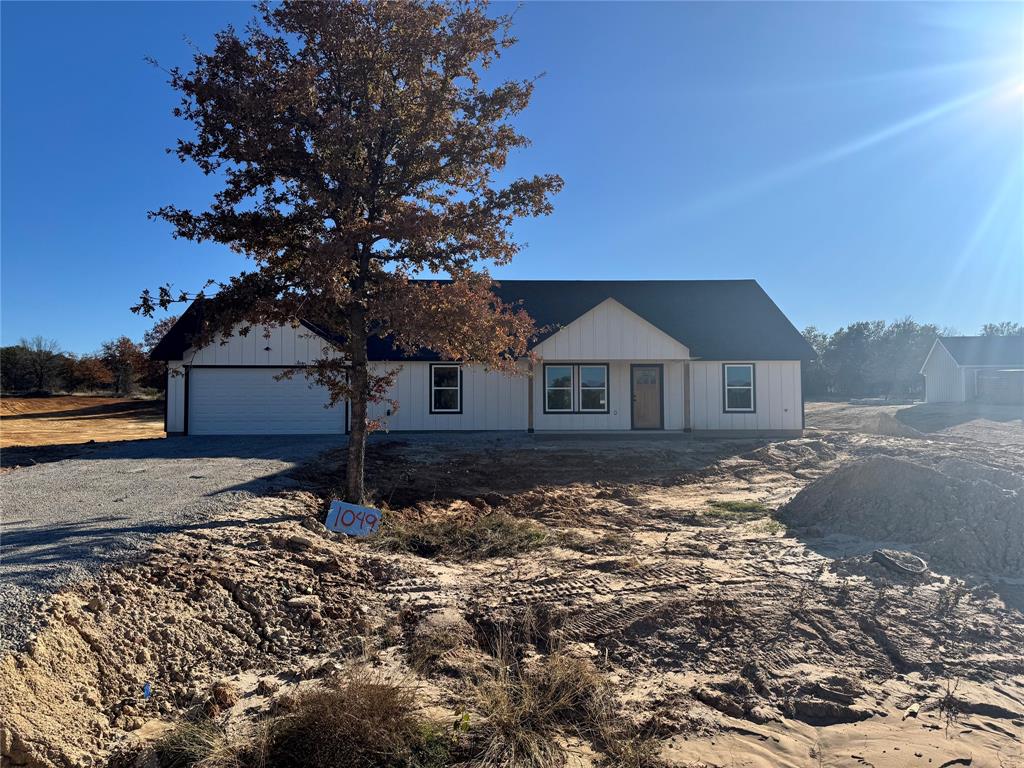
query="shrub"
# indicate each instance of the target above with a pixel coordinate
(461, 537)
(360, 722)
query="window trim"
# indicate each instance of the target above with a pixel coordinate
(607, 387)
(572, 388)
(726, 388)
(431, 388)
(575, 390)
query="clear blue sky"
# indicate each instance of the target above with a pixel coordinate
(862, 161)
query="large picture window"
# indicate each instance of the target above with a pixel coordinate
(558, 380)
(739, 387)
(576, 388)
(445, 388)
(594, 388)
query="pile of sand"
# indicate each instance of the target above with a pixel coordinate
(238, 596)
(961, 520)
(889, 425)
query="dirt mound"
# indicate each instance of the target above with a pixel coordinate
(149, 639)
(889, 425)
(973, 525)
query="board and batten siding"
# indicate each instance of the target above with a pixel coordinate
(777, 397)
(491, 400)
(175, 398)
(943, 378)
(608, 332)
(285, 346)
(620, 405)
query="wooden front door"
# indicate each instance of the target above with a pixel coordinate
(647, 396)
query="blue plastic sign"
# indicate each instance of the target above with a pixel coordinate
(352, 519)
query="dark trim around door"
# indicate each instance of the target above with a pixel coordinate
(661, 397)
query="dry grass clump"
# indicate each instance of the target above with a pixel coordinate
(442, 641)
(202, 744)
(461, 537)
(361, 722)
(529, 706)
(358, 721)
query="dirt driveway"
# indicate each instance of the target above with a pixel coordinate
(62, 519)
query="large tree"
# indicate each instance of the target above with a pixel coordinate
(359, 147)
(125, 361)
(42, 362)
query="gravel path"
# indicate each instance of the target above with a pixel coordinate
(64, 519)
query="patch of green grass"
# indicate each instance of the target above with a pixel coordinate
(461, 537)
(729, 510)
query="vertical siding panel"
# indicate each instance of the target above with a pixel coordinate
(715, 382)
(481, 415)
(776, 396)
(253, 346)
(287, 345)
(700, 396)
(276, 344)
(796, 415)
(232, 351)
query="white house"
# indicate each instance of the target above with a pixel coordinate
(963, 368)
(617, 355)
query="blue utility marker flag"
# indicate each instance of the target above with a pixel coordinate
(147, 691)
(352, 519)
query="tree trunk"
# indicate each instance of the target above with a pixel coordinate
(359, 387)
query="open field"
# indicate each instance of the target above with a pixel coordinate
(62, 420)
(666, 569)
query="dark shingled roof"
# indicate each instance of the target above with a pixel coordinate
(715, 319)
(985, 350)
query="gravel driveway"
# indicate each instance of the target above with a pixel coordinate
(63, 519)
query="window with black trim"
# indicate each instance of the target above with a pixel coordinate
(558, 387)
(738, 379)
(445, 388)
(593, 388)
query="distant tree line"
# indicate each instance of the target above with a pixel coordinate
(878, 359)
(121, 366)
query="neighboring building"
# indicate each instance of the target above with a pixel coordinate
(985, 368)
(714, 355)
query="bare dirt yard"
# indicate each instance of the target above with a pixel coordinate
(847, 598)
(32, 427)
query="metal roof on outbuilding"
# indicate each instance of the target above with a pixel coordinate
(985, 350)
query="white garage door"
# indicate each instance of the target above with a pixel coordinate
(249, 401)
